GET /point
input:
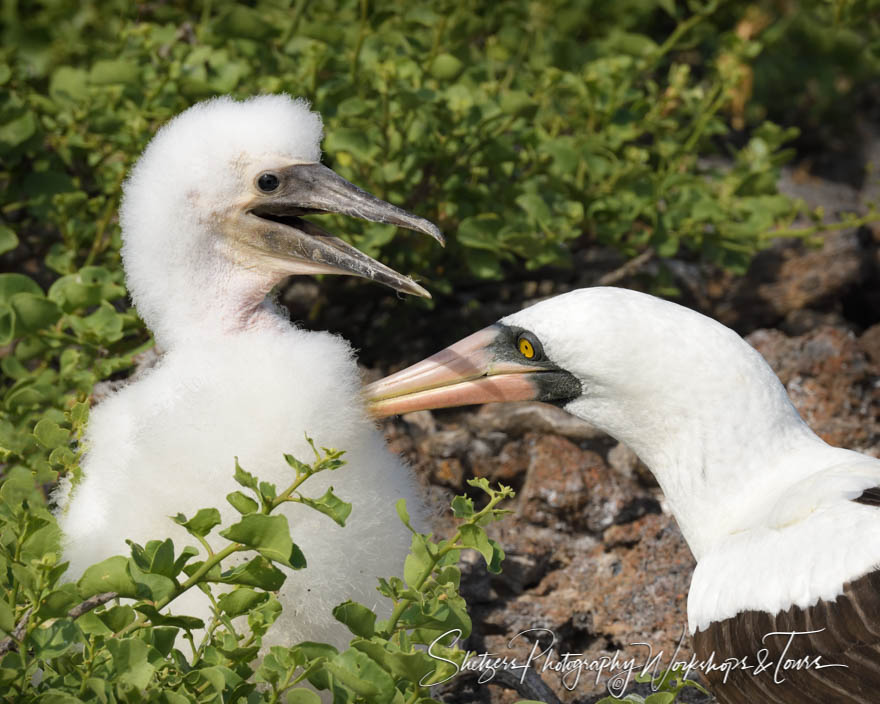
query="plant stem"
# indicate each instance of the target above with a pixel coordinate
(453, 544)
(214, 559)
(803, 232)
(207, 565)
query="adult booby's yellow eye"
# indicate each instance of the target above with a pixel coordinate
(526, 349)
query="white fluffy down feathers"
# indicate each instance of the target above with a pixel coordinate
(192, 174)
(166, 443)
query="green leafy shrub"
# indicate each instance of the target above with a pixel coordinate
(69, 642)
(517, 126)
(666, 689)
(521, 128)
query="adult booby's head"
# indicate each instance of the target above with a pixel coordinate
(698, 404)
(785, 528)
(211, 216)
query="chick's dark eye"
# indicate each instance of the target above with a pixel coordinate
(529, 346)
(268, 182)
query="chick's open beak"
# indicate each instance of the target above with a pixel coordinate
(478, 369)
(303, 247)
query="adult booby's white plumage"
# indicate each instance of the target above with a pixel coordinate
(785, 528)
(210, 221)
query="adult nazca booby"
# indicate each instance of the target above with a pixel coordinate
(210, 223)
(784, 527)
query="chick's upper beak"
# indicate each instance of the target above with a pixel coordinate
(476, 369)
(303, 247)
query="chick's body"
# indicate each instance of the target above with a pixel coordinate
(166, 445)
(210, 223)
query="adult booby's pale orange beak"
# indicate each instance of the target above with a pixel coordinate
(498, 363)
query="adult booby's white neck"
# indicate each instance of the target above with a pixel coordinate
(779, 521)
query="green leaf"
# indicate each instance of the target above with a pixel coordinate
(161, 556)
(258, 572)
(535, 207)
(660, 698)
(11, 284)
(7, 324)
(241, 600)
(270, 535)
(446, 67)
(8, 239)
(363, 675)
(302, 696)
(79, 414)
(518, 102)
(131, 661)
(359, 619)
(480, 232)
(330, 505)
(187, 623)
(50, 434)
(201, 524)
(55, 639)
(149, 585)
(20, 129)
(475, 537)
(110, 71)
(105, 324)
(59, 601)
(419, 561)
(69, 83)
(219, 677)
(353, 141)
(111, 575)
(7, 617)
(62, 456)
(33, 312)
(91, 625)
(268, 492)
(117, 617)
(402, 513)
(494, 565)
(300, 467)
(462, 507)
(86, 288)
(242, 503)
(412, 666)
(188, 553)
(246, 479)
(243, 21)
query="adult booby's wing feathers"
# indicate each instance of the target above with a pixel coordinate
(869, 497)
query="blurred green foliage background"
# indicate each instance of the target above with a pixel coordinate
(522, 128)
(527, 130)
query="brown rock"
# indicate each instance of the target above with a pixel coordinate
(627, 463)
(870, 343)
(446, 443)
(831, 381)
(448, 472)
(571, 489)
(516, 419)
(421, 420)
(508, 466)
(605, 598)
(791, 275)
